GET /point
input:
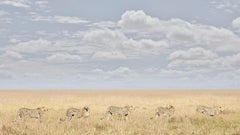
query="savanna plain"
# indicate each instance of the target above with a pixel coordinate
(184, 121)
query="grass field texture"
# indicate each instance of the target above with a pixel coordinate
(185, 120)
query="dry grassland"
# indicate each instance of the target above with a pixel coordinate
(185, 121)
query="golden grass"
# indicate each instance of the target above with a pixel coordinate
(185, 121)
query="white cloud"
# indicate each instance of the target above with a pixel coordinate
(108, 55)
(42, 46)
(191, 64)
(230, 61)
(16, 3)
(193, 53)
(31, 46)
(41, 3)
(120, 72)
(104, 24)
(105, 36)
(144, 47)
(12, 54)
(65, 58)
(200, 63)
(236, 24)
(209, 62)
(229, 6)
(14, 40)
(174, 73)
(151, 70)
(180, 32)
(138, 21)
(123, 72)
(117, 41)
(157, 49)
(60, 19)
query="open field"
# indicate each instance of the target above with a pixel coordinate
(185, 120)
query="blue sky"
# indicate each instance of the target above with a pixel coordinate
(106, 44)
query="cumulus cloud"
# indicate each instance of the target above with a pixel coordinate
(108, 55)
(103, 24)
(112, 40)
(229, 6)
(236, 24)
(105, 36)
(60, 19)
(193, 53)
(157, 48)
(120, 72)
(64, 58)
(191, 64)
(12, 54)
(207, 61)
(17, 3)
(180, 32)
(174, 73)
(138, 20)
(41, 3)
(144, 47)
(220, 67)
(42, 46)
(230, 61)
(31, 46)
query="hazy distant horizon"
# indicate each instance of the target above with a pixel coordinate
(119, 44)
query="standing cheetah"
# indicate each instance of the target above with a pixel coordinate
(78, 113)
(164, 111)
(122, 112)
(210, 111)
(31, 113)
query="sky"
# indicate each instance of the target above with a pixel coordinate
(127, 44)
